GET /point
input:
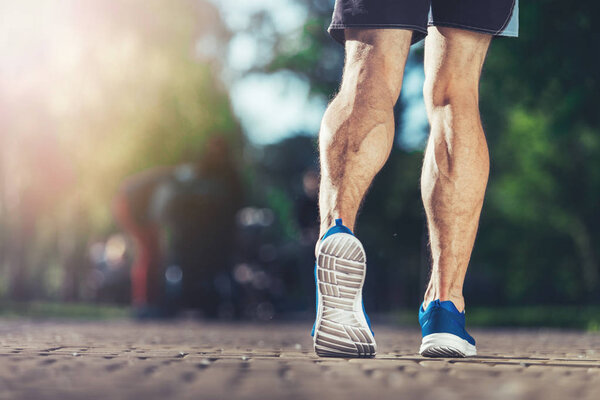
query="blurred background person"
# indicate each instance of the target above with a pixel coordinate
(182, 222)
(132, 210)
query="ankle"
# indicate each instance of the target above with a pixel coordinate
(332, 220)
(457, 300)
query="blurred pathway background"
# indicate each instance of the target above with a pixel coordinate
(192, 360)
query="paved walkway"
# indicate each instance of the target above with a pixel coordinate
(188, 360)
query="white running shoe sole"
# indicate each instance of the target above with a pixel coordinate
(341, 329)
(446, 345)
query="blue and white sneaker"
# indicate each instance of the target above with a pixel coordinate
(342, 328)
(443, 329)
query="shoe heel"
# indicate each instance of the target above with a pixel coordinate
(341, 329)
(446, 345)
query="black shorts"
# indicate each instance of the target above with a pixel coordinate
(495, 17)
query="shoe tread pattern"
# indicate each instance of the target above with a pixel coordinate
(442, 351)
(341, 268)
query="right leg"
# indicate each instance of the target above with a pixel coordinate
(357, 131)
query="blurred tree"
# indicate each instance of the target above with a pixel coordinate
(539, 104)
(94, 91)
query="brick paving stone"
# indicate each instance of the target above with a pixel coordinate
(210, 360)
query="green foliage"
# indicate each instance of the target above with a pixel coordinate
(47, 310)
(538, 99)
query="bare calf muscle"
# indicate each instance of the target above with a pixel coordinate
(456, 162)
(357, 131)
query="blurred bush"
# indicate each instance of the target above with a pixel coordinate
(90, 92)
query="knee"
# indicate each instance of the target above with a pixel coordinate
(453, 110)
(460, 93)
(372, 72)
(377, 56)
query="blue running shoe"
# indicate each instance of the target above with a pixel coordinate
(443, 329)
(342, 328)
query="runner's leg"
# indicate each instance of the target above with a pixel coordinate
(456, 163)
(357, 131)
